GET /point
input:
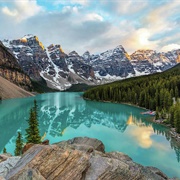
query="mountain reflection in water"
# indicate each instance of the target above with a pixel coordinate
(67, 115)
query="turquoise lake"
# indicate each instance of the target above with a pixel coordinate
(120, 127)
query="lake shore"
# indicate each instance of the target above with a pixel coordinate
(172, 131)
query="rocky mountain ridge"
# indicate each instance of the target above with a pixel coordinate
(11, 70)
(78, 158)
(61, 70)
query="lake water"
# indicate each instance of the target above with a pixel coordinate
(120, 127)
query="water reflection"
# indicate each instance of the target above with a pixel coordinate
(60, 111)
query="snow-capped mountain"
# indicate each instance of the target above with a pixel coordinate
(110, 65)
(61, 70)
(149, 61)
(58, 69)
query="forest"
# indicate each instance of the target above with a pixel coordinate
(159, 92)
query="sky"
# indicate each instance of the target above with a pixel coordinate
(94, 25)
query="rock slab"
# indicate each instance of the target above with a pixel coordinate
(79, 159)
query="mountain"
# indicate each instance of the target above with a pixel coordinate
(110, 65)
(58, 69)
(61, 70)
(149, 61)
(9, 90)
(11, 70)
(155, 91)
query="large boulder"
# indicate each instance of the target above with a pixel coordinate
(79, 159)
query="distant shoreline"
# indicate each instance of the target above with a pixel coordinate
(172, 131)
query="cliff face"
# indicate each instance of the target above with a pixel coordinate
(10, 69)
(78, 159)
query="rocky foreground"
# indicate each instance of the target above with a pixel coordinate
(75, 159)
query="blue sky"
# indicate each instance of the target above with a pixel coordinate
(94, 25)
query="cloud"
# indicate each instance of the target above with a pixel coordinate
(139, 39)
(82, 2)
(67, 29)
(72, 2)
(170, 47)
(162, 19)
(93, 17)
(121, 7)
(73, 9)
(21, 10)
(8, 12)
(95, 26)
(143, 136)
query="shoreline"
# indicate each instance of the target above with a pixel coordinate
(172, 131)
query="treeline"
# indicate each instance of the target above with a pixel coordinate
(154, 92)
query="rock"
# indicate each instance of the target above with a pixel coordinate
(29, 145)
(45, 142)
(29, 173)
(4, 157)
(77, 159)
(26, 147)
(2, 178)
(83, 144)
(7, 165)
(52, 162)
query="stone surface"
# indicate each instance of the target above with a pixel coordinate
(79, 159)
(4, 157)
(7, 165)
(83, 144)
(26, 147)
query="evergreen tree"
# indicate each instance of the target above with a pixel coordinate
(19, 145)
(177, 117)
(4, 150)
(152, 91)
(32, 132)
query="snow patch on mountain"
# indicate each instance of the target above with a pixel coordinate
(61, 70)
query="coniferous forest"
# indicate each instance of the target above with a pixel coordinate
(159, 92)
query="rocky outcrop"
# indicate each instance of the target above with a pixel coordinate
(7, 163)
(10, 69)
(79, 158)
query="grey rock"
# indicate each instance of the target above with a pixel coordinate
(7, 165)
(71, 160)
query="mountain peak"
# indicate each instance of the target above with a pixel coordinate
(73, 53)
(119, 47)
(27, 36)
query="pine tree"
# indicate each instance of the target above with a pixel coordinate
(32, 132)
(19, 145)
(4, 150)
(177, 117)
